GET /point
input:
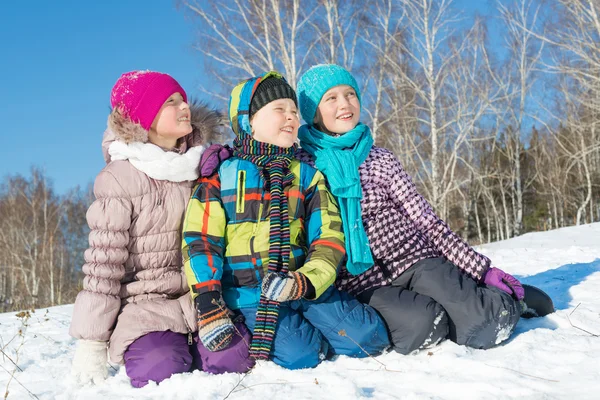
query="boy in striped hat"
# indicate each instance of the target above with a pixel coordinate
(262, 241)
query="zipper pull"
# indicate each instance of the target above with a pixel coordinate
(190, 339)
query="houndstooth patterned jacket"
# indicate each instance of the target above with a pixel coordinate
(401, 226)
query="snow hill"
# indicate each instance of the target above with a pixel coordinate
(555, 357)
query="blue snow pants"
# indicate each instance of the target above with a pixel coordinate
(334, 324)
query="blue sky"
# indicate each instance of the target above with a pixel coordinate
(60, 60)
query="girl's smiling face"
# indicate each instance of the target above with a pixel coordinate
(338, 111)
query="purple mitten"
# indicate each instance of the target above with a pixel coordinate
(212, 158)
(235, 358)
(497, 278)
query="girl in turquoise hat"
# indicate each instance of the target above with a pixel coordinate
(402, 259)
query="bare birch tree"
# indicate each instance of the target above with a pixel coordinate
(37, 262)
(243, 38)
(575, 41)
(521, 18)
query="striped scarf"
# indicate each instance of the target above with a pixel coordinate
(274, 162)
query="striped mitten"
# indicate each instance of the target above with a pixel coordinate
(279, 287)
(215, 328)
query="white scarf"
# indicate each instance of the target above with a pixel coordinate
(158, 163)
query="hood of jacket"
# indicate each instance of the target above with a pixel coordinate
(239, 103)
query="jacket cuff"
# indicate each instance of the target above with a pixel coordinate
(310, 292)
(484, 272)
(208, 301)
(208, 286)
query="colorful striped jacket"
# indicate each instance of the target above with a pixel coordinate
(226, 244)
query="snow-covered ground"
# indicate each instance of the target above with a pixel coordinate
(547, 358)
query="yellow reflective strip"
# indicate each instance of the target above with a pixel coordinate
(241, 191)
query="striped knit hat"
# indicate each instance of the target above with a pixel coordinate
(251, 95)
(269, 89)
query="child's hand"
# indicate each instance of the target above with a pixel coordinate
(505, 282)
(279, 287)
(89, 362)
(215, 328)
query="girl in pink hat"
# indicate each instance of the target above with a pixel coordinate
(135, 307)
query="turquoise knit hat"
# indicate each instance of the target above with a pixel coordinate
(315, 82)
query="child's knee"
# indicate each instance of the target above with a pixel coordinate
(297, 350)
(436, 329)
(360, 334)
(156, 356)
(503, 313)
(420, 325)
(298, 359)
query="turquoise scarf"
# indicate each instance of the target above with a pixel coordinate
(338, 158)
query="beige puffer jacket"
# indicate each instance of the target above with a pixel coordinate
(134, 282)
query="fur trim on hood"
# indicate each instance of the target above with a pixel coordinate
(207, 124)
(124, 129)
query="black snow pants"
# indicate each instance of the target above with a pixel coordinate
(434, 299)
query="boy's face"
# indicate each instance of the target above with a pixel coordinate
(173, 119)
(338, 111)
(276, 123)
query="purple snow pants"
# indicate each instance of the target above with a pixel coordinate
(158, 355)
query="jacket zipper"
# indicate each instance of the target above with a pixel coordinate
(241, 192)
(255, 256)
(189, 336)
(260, 208)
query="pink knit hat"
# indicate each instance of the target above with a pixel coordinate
(139, 95)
